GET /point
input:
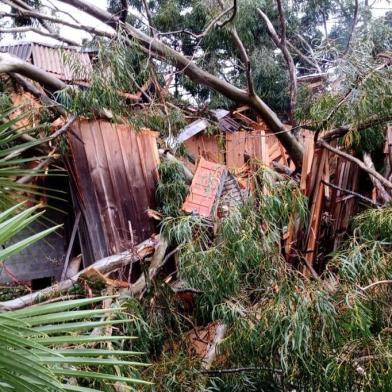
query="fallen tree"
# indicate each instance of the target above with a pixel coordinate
(104, 266)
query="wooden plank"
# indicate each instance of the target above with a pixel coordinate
(134, 177)
(206, 146)
(248, 121)
(264, 149)
(307, 162)
(121, 191)
(235, 149)
(205, 190)
(120, 168)
(103, 183)
(316, 199)
(92, 238)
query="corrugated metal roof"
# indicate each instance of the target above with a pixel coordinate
(206, 188)
(65, 63)
(21, 50)
(228, 124)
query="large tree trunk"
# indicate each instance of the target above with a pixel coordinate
(13, 64)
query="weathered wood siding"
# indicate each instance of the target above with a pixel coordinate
(114, 173)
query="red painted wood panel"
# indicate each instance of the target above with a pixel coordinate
(205, 189)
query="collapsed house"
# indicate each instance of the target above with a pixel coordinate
(231, 139)
(112, 176)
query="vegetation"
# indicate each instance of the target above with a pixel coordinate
(50, 347)
(323, 66)
(59, 346)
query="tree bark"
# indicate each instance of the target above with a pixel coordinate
(103, 266)
(370, 171)
(385, 196)
(13, 64)
(164, 52)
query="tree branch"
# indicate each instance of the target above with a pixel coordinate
(160, 50)
(13, 64)
(49, 103)
(40, 16)
(26, 29)
(342, 130)
(355, 20)
(363, 198)
(103, 266)
(349, 157)
(305, 58)
(280, 42)
(311, 52)
(245, 59)
(22, 7)
(367, 160)
(164, 52)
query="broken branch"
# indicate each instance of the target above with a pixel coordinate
(349, 157)
(105, 265)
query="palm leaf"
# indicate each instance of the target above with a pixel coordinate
(39, 350)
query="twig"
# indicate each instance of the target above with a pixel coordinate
(70, 245)
(375, 284)
(364, 198)
(240, 369)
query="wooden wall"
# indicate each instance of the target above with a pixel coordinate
(114, 172)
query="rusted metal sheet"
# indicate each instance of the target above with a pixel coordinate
(64, 63)
(114, 173)
(206, 188)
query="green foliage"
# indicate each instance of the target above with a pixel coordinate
(45, 347)
(375, 224)
(286, 331)
(235, 263)
(12, 222)
(172, 188)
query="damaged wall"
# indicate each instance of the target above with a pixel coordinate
(114, 172)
